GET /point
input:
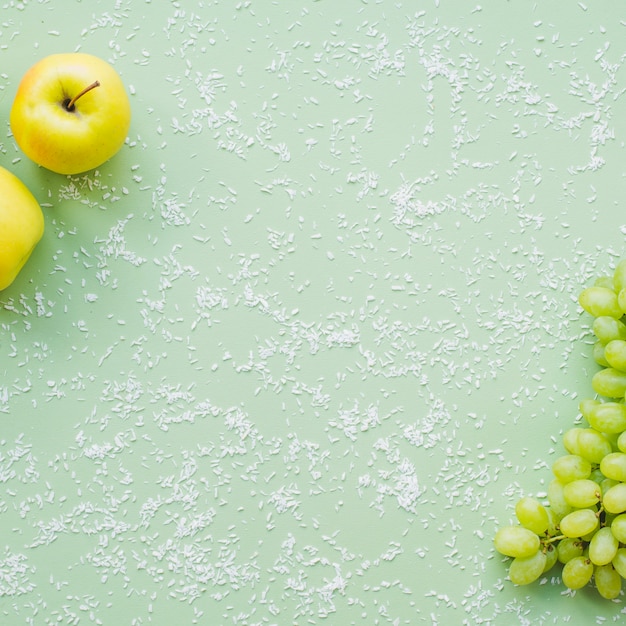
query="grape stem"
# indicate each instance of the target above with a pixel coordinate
(547, 542)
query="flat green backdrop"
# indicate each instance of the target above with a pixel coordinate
(293, 354)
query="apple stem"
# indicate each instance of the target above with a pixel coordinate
(69, 105)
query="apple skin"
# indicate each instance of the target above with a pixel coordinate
(70, 142)
(21, 226)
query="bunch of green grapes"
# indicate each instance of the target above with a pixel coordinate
(581, 524)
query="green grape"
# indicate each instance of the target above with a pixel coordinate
(615, 354)
(618, 527)
(603, 547)
(571, 467)
(579, 523)
(532, 515)
(596, 475)
(614, 466)
(606, 484)
(586, 406)
(619, 276)
(525, 570)
(553, 521)
(619, 562)
(621, 298)
(608, 417)
(608, 581)
(598, 354)
(589, 536)
(605, 281)
(577, 572)
(583, 523)
(516, 541)
(570, 439)
(607, 328)
(609, 382)
(551, 558)
(556, 499)
(599, 301)
(593, 445)
(569, 548)
(614, 500)
(582, 493)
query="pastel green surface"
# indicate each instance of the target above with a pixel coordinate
(292, 356)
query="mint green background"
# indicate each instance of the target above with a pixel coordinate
(293, 354)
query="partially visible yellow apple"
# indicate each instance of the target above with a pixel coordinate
(71, 112)
(21, 226)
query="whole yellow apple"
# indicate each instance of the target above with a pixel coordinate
(71, 112)
(21, 226)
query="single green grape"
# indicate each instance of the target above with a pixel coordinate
(609, 382)
(615, 354)
(608, 581)
(596, 475)
(579, 523)
(556, 499)
(525, 570)
(599, 301)
(553, 521)
(582, 493)
(607, 328)
(619, 276)
(614, 466)
(568, 548)
(598, 354)
(587, 405)
(516, 541)
(619, 562)
(618, 527)
(570, 439)
(621, 441)
(532, 515)
(577, 572)
(593, 445)
(605, 281)
(603, 547)
(607, 417)
(614, 500)
(606, 484)
(571, 467)
(621, 298)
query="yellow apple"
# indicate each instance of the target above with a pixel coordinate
(21, 226)
(71, 112)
